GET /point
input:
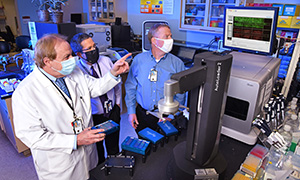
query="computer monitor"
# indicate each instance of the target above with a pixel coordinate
(121, 36)
(146, 46)
(39, 29)
(186, 53)
(250, 29)
(78, 18)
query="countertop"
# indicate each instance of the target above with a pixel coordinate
(161, 164)
(12, 72)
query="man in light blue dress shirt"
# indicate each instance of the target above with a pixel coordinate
(148, 72)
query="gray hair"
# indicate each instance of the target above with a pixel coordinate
(153, 30)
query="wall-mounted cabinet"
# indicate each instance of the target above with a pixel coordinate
(205, 15)
(107, 10)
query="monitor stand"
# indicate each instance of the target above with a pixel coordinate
(218, 162)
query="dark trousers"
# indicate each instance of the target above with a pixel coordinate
(145, 120)
(112, 140)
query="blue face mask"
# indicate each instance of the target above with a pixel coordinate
(67, 66)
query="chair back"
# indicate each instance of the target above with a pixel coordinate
(4, 47)
(23, 42)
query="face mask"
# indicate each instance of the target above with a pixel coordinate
(67, 66)
(92, 56)
(167, 46)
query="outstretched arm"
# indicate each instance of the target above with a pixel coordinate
(121, 66)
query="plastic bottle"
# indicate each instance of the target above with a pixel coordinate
(270, 172)
(267, 116)
(286, 134)
(293, 101)
(278, 104)
(296, 165)
(293, 122)
(291, 111)
(288, 164)
(294, 143)
(298, 121)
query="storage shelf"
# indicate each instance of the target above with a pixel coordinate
(223, 4)
(195, 16)
(196, 4)
(217, 17)
(106, 10)
(212, 15)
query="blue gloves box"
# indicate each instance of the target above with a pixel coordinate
(108, 126)
(150, 135)
(167, 128)
(135, 145)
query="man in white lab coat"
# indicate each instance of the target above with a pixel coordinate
(52, 111)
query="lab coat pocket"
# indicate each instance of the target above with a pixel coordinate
(53, 161)
(91, 156)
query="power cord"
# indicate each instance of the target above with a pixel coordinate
(215, 39)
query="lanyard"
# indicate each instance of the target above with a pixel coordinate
(89, 71)
(59, 90)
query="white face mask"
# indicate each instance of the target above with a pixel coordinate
(167, 46)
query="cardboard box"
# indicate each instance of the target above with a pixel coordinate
(280, 6)
(284, 21)
(295, 22)
(291, 10)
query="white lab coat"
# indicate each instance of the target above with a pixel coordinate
(114, 94)
(43, 119)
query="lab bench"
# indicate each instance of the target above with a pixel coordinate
(161, 163)
(6, 115)
(7, 126)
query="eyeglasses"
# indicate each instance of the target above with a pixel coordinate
(90, 48)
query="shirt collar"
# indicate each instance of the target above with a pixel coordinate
(164, 57)
(84, 64)
(52, 78)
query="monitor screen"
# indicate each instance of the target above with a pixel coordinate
(250, 29)
(77, 18)
(186, 53)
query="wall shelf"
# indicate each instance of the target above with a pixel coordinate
(205, 15)
(107, 10)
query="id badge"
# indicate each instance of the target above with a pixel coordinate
(77, 125)
(108, 106)
(153, 75)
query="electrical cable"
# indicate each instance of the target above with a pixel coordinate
(210, 44)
